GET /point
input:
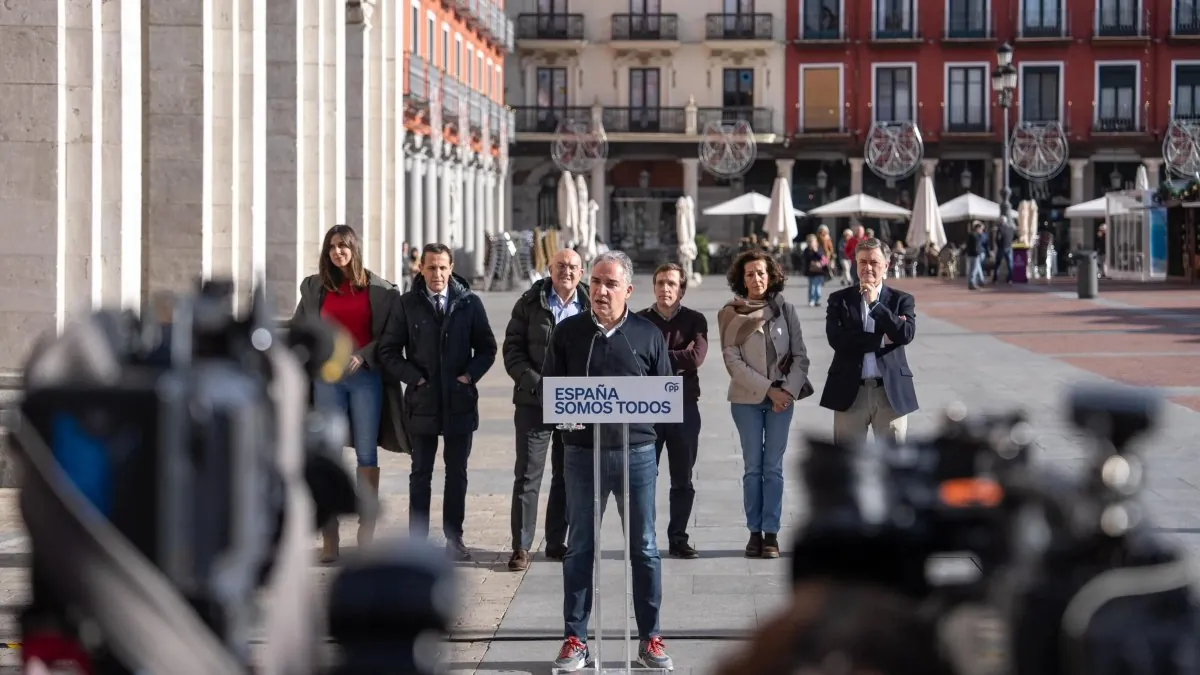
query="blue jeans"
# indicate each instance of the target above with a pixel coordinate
(975, 271)
(360, 396)
(581, 545)
(764, 435)
(815, 284)
(1003, 255)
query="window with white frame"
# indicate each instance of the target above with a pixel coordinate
(966, 19)
(1041, 18)
(1187, 91)
(487, 80)
(430, 37)
(1187, 17)
(894, 19)
(445, 64)
(479, 69)
(499, 86)
(1040, 93)
(967, 94)
(1118, 17)
(894, 94)
(1116, 97)
(822, 19)
(414, 28)
(470, 61)
(458, 57)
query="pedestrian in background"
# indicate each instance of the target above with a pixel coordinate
(347, 294)
(814, 262)
(440, 345)
(686, 333)
(534, 317)
(976, 249)
(763, 349)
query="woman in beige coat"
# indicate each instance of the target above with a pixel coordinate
(763, 349)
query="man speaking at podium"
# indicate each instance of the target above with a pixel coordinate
(619, 344)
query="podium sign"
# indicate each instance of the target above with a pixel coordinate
(612, 400)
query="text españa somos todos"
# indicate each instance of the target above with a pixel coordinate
(602, 400)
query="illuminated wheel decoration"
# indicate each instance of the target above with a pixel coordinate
(1181, 148)
(1038, 150)
(577, 147)
(727, 148)
(894, 149)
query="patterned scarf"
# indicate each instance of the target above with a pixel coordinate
(740, 317)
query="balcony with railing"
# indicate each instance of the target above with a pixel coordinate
(545, 120)
(475, 112)
(495, 117)
(817, 119)
(966, 119)
(967, 27)
(556, 27)
(1187, 19)
(761, 119)
(417, 84)
(1045, 27)
(1118, 123)
(645, 120)
(897, 23)
(645, 27)
(739, 27)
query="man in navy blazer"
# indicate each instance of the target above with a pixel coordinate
(870, 385)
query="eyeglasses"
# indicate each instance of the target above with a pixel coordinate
(563, 267)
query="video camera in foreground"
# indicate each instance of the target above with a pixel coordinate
(1071, 578)
(172, 472)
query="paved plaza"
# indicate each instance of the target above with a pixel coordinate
(994, 349)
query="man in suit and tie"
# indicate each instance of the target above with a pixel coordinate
(870, 385)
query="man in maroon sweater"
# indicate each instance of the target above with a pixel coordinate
(686, 333)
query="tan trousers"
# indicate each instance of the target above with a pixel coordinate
(871, 410)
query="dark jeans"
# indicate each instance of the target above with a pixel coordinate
(533, 439)
(643, 548)
(683, 444)
(1003, 255)
(454, 504)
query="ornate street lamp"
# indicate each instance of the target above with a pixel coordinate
(822, 180)
(1004, 82)
(965, 178)
(1116, 180)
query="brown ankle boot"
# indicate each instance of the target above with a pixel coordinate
(368, 487)
(329, 542)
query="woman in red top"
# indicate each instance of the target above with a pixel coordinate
(345, 293)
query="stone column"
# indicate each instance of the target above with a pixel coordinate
(501, 192)
(178, 146)
(416, 199)
(359, 118)
(400, 210)
(856, 175)
(599, 191)
(372, 133)
(218, 238)
(117, 273)
(481, 223)
(691, 178)
(329, 146)
(1153, 172)
(489, 200)
(290, 102)
(1080, 235)
(507, 191)
(446, 173)
(386, 62)
(433, 172)
(475, 241)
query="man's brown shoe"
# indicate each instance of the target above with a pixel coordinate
(770, 546)
(519, 562)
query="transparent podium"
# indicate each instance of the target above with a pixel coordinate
(571, 403)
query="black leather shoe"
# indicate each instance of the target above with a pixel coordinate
(556, 552)
(684, 550)
(457, 550)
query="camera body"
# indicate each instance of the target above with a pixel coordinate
(174, 471)
(1067, 563)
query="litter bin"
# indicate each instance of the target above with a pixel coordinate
(1086, 274)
